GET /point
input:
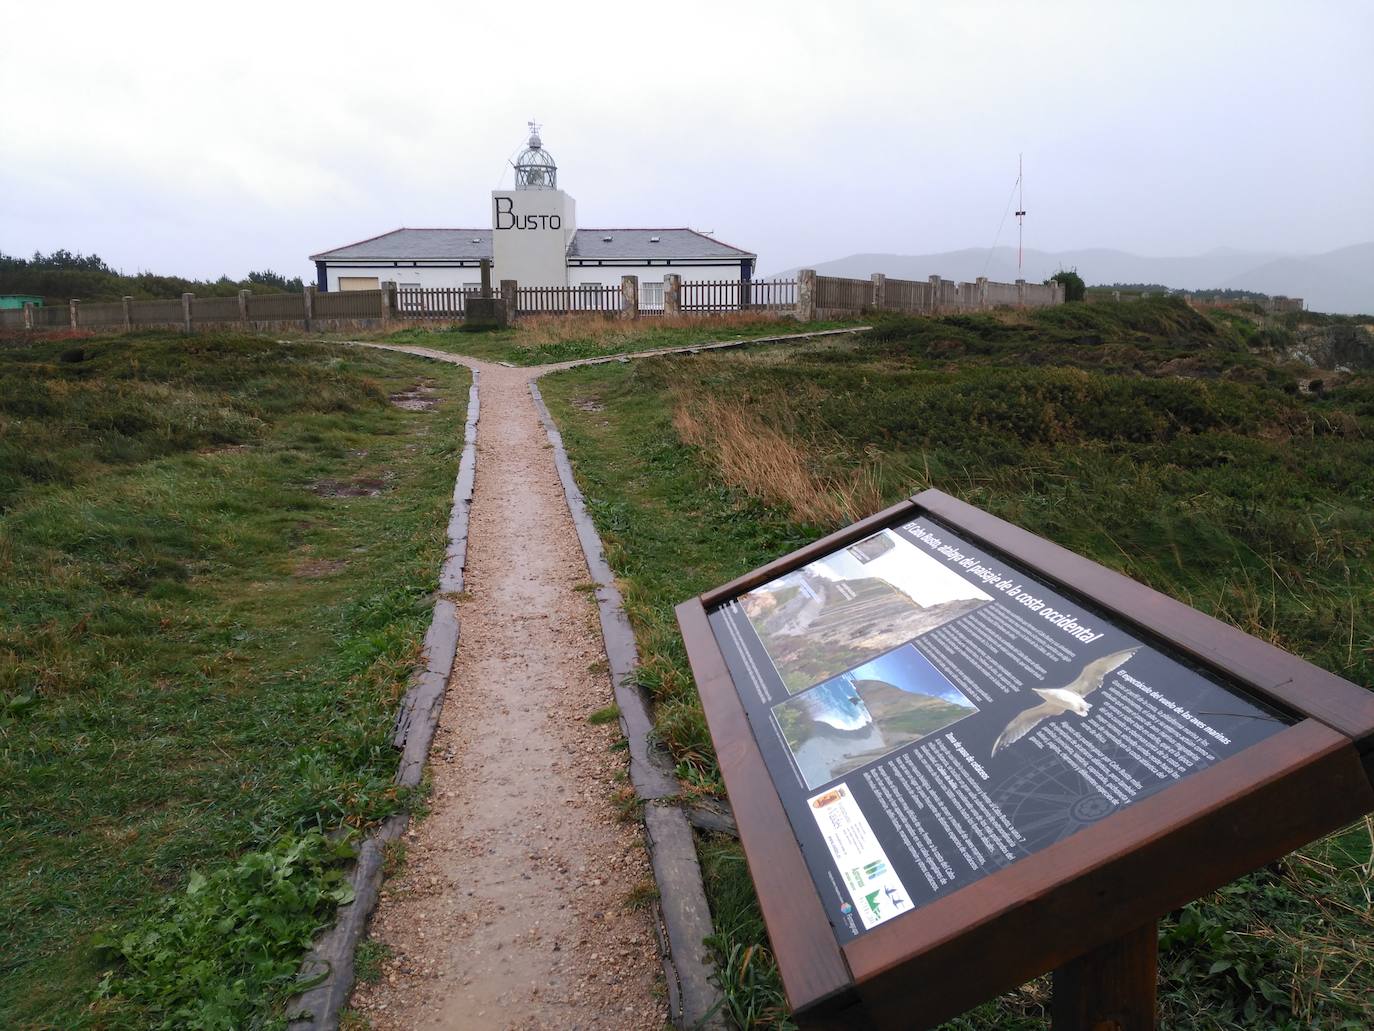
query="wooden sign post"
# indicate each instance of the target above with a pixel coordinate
(960, 756)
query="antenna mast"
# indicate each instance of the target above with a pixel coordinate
(1020, 213)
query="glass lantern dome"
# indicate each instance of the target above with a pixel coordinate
(534, 168)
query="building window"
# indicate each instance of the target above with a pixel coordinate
(651, 295)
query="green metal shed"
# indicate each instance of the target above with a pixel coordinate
(19, 300)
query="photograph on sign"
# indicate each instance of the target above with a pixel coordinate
(864, 713)
(929, 713)
(852, 605)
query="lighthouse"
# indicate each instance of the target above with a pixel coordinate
(533, 225)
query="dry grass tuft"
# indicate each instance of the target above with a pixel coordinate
(769, 463)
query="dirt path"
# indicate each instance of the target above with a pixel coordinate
(515, 906)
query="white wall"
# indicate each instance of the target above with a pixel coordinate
(605, 275)
(609, 275)
(428, 277)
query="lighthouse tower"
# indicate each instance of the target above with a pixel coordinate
(532, 226)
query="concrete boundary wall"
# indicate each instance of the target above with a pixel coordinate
(836, 297)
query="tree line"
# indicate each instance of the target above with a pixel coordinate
(62, 275)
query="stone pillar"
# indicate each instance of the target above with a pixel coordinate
(128, 313)
(74, 312)
(510, 297)
(879, 295)
(187, 300)
(28, 315)
(388, 302)
(309, 302)
(934, 294)
(982, 284)
(1116, 296)
(629, 297)
(1020, 293)
(486, 277)
(672, 295)
(243, 307)
(806, 295)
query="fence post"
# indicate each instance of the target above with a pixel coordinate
(1116, 296)
(309, 303)
(74, 312)
(672, 295)
(388, 302)
(1020, 293)
(128, 303)
(982, 283)
(510, 298)
(629, 297)
(243, 307)
(806, 295)
(187, 300)
(28, 315)
(879, 291)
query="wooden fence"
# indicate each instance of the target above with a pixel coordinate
(722, 295)
(434, 302)
(568, 300)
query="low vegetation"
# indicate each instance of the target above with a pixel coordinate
(1170, 445)
(62, 275)
(217, 555)
(540, 340)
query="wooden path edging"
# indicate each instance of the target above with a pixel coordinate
(329, 964)
(685, 923)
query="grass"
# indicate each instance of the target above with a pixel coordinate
(1146, 436)
(217, 556)
(541, 340)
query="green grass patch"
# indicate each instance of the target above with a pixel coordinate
(217, 556)
(609, 714)
(543, 340)
(1144, 436)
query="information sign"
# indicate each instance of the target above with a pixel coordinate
(930, 713)
(951, 745)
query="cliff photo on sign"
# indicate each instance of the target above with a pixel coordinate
(854, 605)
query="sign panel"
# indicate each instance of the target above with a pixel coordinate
(930, 713)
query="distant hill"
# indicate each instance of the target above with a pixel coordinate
(1339, 281)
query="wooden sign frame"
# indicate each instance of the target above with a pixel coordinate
(1078, 906)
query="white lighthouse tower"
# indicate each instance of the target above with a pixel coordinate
(532, 226)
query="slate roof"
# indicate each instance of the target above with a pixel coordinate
(588, 244)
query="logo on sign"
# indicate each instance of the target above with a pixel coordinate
(506, 218)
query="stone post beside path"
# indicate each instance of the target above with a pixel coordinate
(806, 295)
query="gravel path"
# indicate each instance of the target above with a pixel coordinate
(516, 904)
(520, 902)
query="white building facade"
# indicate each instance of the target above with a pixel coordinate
(534, 239)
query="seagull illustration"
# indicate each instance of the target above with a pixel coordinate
(1069, 698)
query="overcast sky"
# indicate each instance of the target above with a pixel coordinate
(201, 139)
